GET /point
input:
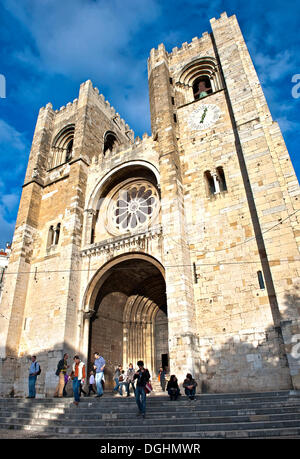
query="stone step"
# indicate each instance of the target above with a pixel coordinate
(145, 427)
(227, 396)
(255, 415)
(160, 397)
(282, 433)
(165, 404)
(172, 407)
(173, 410)
(116, 421)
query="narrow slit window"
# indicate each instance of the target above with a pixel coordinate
(221, 179)
(57, 234)
(69, 151)
(261, 280)
(50, 236)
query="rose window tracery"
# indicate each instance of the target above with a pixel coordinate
(132, 206)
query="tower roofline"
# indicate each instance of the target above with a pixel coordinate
(155, 52)
(104, 103)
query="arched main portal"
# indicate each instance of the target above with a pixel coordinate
(130, 322)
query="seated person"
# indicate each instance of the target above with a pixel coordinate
(172, 388)
(189, 385)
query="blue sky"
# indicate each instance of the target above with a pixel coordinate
(48, 47)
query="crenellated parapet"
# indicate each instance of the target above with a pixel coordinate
(109, 111)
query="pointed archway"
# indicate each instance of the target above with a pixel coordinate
(129, 322)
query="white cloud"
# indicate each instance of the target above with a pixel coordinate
(9, 136)
(6, 231)
(97, 40)
(10, 200)
(273, 68)
(13, 151)
(83, 38)
(288, 125)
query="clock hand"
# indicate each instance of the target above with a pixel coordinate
(203, 115)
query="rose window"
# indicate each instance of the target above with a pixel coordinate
(132, 207)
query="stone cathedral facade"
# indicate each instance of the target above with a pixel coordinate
(180, 248)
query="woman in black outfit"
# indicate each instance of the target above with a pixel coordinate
(172, 388)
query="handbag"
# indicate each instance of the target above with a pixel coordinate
(148, 388)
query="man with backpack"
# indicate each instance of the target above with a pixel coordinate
(34, 371)
(61, 371)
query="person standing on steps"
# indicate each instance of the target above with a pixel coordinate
(99, 365)
(81, 391)
(61, 371)
(78, 372)
(67, 378)
(91, 383)
(143, 377)
(130, 379)
(122, 382)
(162, 378)
(116, 378)
(34, 371)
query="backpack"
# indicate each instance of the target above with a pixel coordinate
(40, 370)
(60, 366)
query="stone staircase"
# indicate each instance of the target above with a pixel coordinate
(157, 387)
(243, 415)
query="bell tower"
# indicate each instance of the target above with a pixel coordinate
(226, 180)
(45, 259)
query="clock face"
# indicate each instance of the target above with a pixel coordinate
(204, 116)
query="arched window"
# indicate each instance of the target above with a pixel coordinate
(53, 236)
(199, 78)
(110, 142)
(215, 181)
(62, 146)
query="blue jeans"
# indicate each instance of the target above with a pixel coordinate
(128, 387)
(190, 392)
(117, 384)
(76, 388)
(31, 385)
(173, 392)
(140, 398)
(98, 380)
(121, 384)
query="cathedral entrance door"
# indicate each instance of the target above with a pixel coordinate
(130, 319)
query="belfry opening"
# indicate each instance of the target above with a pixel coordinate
(129, 320)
